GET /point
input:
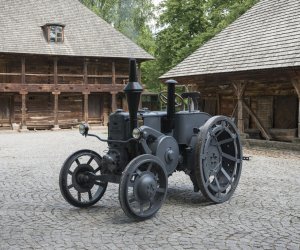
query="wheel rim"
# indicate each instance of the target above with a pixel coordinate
(220, 159)
(79, 188)
(179, 102)
(144, 188)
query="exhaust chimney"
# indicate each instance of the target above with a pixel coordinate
(133, 92)
(171, 105)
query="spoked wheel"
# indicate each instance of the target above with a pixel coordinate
(163, 97)
(143, 187)
(219, 159)
(78, 187)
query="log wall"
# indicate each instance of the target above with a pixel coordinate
(270, 96)
(47, 91)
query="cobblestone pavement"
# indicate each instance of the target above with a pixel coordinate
(264, 212)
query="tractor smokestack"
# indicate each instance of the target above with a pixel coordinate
(133, 92)
(171, 105)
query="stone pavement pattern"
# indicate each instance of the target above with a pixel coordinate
(263, 213)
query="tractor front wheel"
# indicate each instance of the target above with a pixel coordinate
(76, 184)
(143, 187)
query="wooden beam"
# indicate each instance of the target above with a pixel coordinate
(234, 110)
(44, 88)
(113, 101)
(218, 103)
(55, 111)
(23, 109)
(139, 73)
(256, 120)
(296, 84)
(23, 80)
(240, 88)
(55, 73)
(66, 75)
(85, 71)
(113, 73)
(86, 107)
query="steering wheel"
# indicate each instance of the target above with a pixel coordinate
(163, 97)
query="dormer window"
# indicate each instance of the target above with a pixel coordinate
(54, 32)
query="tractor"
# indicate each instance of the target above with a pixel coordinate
(146, 147)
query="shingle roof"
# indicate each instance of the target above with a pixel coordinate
(265, 37)
(86, 34)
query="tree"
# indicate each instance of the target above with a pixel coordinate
(130, 17)
(187, 24)
(184, 26)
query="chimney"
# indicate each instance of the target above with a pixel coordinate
(171, 105)
(133, 92)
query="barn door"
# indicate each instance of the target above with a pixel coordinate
(263, 108)
(96, 103)
(4, 111)
(285, 112)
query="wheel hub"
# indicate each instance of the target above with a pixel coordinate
(146, 186)
(81, 180)
(213, 159)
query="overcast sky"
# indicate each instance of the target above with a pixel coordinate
(156, 2)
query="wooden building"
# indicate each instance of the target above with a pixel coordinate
(60, 64)
(251, 71)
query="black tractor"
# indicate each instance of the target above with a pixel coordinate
(146, 147)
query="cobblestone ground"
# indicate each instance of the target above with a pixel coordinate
(264, 212)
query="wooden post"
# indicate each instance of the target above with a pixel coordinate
(139, 72)
(240, 90)
(85, 72)
(23, 94)
(86, 107)
(296, 84)
(23, 79)
(113, 73)
(113, 101)
(85, 93)
(23, 109)
(218, 103)
(55, 111)
(55, 78)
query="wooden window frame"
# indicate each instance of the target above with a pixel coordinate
(47, 29)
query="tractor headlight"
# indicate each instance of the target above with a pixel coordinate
(136, 133)
(83, 129)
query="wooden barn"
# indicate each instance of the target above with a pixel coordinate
(60, 64)
(251, 71)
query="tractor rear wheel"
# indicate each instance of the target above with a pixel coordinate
(219, 159)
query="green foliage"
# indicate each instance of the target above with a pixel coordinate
(128, 16)
(190, 23)
(184, 25)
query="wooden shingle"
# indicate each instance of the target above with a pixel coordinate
(266, 37)
(86, 34)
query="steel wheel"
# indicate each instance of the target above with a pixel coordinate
(219, 159)
(163, 97)
(78, 188)
(143, 187)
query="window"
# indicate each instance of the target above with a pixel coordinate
(54, 32)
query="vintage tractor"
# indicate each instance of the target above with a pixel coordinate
(146, 147)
